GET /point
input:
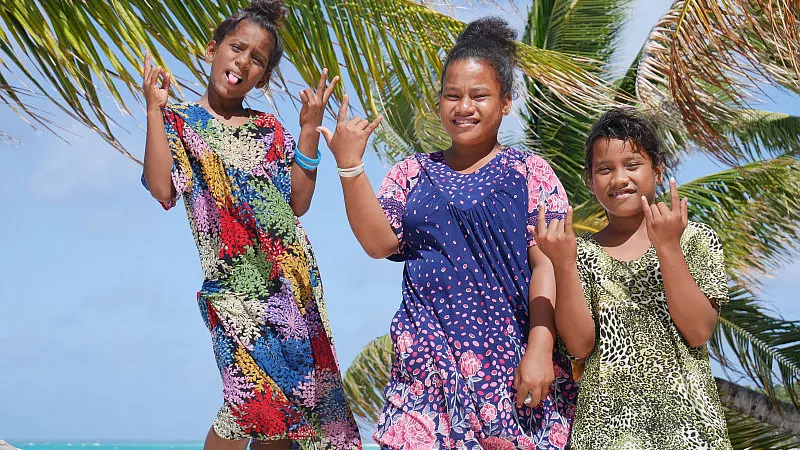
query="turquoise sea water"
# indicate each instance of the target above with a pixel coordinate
(89, 445)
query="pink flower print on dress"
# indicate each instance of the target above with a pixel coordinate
(559, 435)
(414, 431)
(444, 424)
(404, 341)
(469, 364)
(474, 422)
(417, 388)
(496, 443)
(570, 412)
(488, 412)
(525, 443)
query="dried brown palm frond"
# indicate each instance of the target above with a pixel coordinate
(707, 58)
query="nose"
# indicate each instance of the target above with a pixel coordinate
(465, 105)
(619, 179)
(242, 60)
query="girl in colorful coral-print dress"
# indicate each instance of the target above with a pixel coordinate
(475, 365)
(244, 182)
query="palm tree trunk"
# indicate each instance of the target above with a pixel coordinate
(759, 406)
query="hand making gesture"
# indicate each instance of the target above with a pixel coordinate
(350, 139)
(665, 224)
(155, 95)
(556, 239)
(315, 101)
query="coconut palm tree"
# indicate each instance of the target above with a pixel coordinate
(695, 72)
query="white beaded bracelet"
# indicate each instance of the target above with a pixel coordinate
(351, 171)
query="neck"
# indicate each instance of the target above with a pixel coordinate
(464, 156)
(224, 107)
(626, 226)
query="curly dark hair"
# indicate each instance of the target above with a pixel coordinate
(265, 13)
(492, 40)
(627, 124)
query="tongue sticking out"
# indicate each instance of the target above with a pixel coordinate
(233, 79)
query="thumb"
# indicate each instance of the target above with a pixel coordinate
(326, 133)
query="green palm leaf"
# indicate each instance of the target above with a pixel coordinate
(366, 378)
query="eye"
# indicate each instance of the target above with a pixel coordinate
(603, 170)
(236, 47)
(452, 97)
(634, 165)
(258, 60)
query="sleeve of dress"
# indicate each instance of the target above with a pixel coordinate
(543, 182)
(181, 168)
(706, 262)
(392, 197)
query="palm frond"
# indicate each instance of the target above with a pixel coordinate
(587, 28)
(707, 58)
(749, 433)
(762, 134)
(366, 378)
(755, 209)
(767, 348)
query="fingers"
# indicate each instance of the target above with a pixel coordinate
(663, 209)
(568, 221)
(165, 82)
(322, 80)
(685, 211)
(515, 381)
(673, 195)
(541, 226)
(304, 97)
(343, 109)
(648, 213)
(329, 91)
(326, 133)
(371, 127)
(146, 71)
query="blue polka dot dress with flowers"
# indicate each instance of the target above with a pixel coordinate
(463, 324)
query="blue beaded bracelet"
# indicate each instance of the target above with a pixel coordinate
(305, 162)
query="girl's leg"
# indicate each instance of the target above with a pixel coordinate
(271, 445)
(214, 442)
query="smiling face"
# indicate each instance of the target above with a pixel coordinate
(239, 62)
(621, 173)
(471, 105)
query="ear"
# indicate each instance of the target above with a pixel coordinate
(264, 80)
(211, 50)
(659, 173)
(506, 104)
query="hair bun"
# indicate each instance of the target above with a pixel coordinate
(493, 29)
(273, 10)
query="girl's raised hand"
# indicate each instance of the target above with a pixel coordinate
(556, 239)
(315, 101)
(350, 139)
(665, 224)
(155, 94)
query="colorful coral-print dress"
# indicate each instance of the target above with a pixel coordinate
(644, 388)
(262, 295)
(463, 324)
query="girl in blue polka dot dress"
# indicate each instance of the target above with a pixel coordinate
(475, 362)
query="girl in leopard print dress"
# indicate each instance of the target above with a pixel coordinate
(639, 300)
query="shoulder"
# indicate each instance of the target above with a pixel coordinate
(408, 167)
(700, 237)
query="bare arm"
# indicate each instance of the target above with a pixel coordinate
(693, 313)
(535, 373)
(304, 181)
(367, 220)
(573, 318)
(157, 155)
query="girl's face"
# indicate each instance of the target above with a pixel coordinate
(471, 106)
(239, 62)
(621, 175)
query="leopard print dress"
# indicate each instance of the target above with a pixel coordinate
(643, 386)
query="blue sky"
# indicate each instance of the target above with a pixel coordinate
(101, 337)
